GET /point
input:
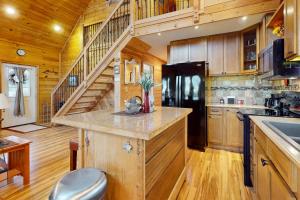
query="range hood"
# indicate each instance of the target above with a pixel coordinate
(288, 70)
(275, 67)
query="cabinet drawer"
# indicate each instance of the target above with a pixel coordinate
(286, 168)
(214, 111)
(260, 137)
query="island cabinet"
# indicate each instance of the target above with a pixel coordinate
(224, 129)
(144, 155)
(275, 175)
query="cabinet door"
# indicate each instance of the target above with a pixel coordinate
(290, 28)
(232, 58)
(234, 133)
(215, 53)
(215, 129)
(278, 188)
(198, 50)
(263, 175)
(179, 52)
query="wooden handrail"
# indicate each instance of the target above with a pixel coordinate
(104, 38)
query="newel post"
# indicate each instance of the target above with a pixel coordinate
(196, 5)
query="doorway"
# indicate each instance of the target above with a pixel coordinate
(29, 91)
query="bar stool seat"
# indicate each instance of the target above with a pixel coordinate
(83, 184)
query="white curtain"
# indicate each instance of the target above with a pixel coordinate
(19, 107)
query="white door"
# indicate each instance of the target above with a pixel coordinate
(29, 91)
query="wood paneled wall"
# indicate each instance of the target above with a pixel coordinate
(43, 58)
(137, 50)
(96, 11)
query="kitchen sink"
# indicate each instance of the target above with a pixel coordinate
(288, 131)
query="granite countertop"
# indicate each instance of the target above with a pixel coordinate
(290, 151)
(140, 126)
(235, 106)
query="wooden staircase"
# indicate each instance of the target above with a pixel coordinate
(92, 75)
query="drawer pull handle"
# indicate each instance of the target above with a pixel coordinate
(264, 162)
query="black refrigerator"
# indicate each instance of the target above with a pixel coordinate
(183, 85)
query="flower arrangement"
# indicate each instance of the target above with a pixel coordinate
(147, 83)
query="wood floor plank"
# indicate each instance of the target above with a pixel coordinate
(212, 175)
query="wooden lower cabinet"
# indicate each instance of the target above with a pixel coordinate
(278, 188)
(224, 129)
(234, 129)
(268, 181)
(263, 175)
(215, 129)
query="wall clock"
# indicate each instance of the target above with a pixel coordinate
(21, 52)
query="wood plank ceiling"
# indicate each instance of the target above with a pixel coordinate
(34, 21)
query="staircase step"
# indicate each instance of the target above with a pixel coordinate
(98, 86)
(77, 111)
(108, 72)
(83, 105)
(92, 93)
(103, 79)
(87, 100)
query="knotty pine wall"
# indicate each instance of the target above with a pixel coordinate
(96, 11)
(130, 90)
(43, 58)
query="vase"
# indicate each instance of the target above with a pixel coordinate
(146, 102)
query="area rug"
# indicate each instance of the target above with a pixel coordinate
(27, 128)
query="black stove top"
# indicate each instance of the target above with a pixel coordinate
(269, 112)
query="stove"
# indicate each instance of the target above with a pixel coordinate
(243, 115)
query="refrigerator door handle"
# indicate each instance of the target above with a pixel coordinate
(176, 92)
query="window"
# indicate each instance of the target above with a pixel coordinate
(12, 86)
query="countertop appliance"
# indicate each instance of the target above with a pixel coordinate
(243, 115)
(183, 85)
(272, 62)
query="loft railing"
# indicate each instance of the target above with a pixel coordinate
(89, 31)
(151, 8)
(92, 54)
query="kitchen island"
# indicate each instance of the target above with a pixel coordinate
(144, 155)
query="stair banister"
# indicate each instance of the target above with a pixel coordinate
(103, 40)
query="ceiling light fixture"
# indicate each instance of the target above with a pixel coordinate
(159, 34)
(57, 28)
(10, 10)
(244, 18)
(196, 27)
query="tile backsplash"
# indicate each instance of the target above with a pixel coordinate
(248, 88)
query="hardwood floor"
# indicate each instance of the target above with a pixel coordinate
(49, 157)
(213, 175)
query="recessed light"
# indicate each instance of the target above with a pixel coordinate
(244, 18)
(57, 28)
(159, 34)
(196, 27)
(10, 10)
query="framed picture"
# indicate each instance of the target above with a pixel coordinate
(148, 69)
(132, 72)
(73, 81)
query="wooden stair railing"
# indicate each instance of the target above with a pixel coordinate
(93, 56)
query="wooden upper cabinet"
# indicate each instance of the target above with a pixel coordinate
(179, 52)
(198, 50)
(234, 130)
(215, 54)
(232, 53)
(290, 28)
(249, 50)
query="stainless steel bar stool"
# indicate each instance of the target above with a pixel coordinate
(83, 184)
